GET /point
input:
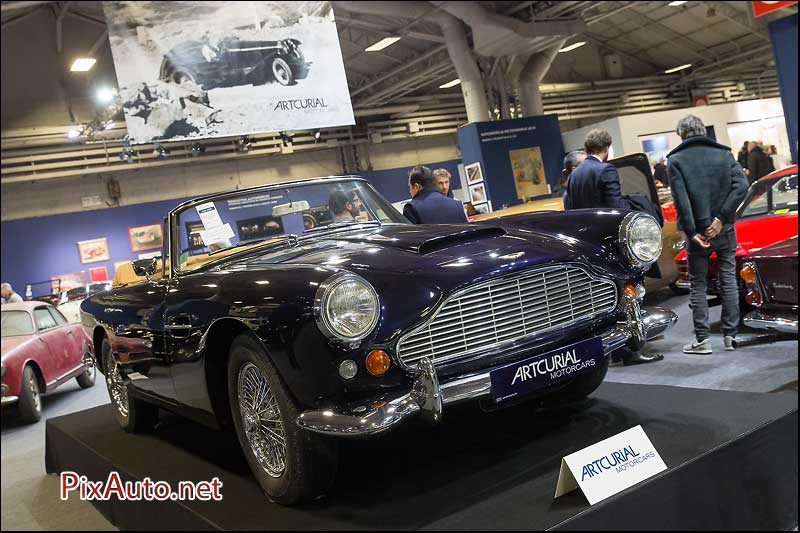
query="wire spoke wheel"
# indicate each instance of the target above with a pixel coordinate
(116, 386)
(89, 365)
(261, 420)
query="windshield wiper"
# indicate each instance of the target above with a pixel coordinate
(287, 237)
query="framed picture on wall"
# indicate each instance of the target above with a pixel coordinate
(150, 255)
(98, 274)
(257, 228)
(477, 194)
(474, 173)
(529, 178)
(482, 209)
(146, 237)
(70, 280)
(94, 250)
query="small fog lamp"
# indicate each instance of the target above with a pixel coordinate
(378, 362)
(348, 369)
(629, 290)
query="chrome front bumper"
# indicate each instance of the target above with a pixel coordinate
(759, 320)
(427, 397)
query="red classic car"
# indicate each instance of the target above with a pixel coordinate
(40, 351)
(767, 215)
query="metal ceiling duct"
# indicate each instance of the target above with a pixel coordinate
(530, 77)
(455, 36)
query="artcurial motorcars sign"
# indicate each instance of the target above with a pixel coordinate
(547, 369)
(194, 69)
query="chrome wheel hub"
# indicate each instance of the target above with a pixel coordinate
(116, 386)
(89, 365)
(280, 73)
(261, 420)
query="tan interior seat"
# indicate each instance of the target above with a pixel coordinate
(124, 274)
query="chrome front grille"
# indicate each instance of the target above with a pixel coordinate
(507, 309)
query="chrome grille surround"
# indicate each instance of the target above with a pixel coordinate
(507, 309)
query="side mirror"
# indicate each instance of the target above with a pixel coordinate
(145, 267)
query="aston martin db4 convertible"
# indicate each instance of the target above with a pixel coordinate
(300, 336)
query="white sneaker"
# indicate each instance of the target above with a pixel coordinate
(730, 343)
(698, 347)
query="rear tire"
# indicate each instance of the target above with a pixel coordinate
(291, 465)
(30, 398)
(133, 415)
(89, 375)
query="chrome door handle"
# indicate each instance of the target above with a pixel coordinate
(178, 326)
(69, 333)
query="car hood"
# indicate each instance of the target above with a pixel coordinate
(10, 344)
(785, 248)
(407, 249)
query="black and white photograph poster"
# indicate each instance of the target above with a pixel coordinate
(200, 69)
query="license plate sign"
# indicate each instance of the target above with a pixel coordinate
(524, 377)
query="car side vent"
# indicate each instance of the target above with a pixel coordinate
(445, 241)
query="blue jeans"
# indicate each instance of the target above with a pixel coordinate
(725, 246)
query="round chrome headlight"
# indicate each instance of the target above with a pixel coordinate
(640, 237)
(347, 307)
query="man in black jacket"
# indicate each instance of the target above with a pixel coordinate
(428, 205)
(708, 184)
(595, 183)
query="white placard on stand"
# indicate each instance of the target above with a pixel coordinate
(610, 466)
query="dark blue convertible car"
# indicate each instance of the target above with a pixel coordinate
(302, 312)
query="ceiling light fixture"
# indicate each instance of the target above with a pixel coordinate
(450, 84)
(73, 133)
(105, 95)
(160, 152)
(676, 69)
(383, 43)
(83, 64)
(572, 47)
(108, 125)
(677, 3)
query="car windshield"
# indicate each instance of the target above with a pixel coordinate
(16, 323)
(767, 196)
(210, 230)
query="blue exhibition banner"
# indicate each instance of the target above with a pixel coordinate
(517, 159)
(783, 33)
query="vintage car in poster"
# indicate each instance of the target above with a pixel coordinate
(770, 276)
(41, 351)
(349, 328)
(767, 215)
(636, 177)
(232, 62)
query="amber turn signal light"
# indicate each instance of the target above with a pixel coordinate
(378, 362)
(630, 290)
(748, 273)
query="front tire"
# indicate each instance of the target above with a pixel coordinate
(133, 415)
(282, 71)
(291, 465)
(30, 398)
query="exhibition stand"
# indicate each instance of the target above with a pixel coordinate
(731, 458)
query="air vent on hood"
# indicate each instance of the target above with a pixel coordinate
(445, 241)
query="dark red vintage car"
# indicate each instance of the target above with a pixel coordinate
(41, 351)
(771, 279)
(767, 215)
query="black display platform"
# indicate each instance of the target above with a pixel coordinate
(731, 458)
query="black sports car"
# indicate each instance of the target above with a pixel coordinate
(350, 327)
(233, 62)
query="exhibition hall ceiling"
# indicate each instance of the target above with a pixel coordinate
(648, 37)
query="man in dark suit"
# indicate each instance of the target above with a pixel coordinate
(595, 183)
(428, 205)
